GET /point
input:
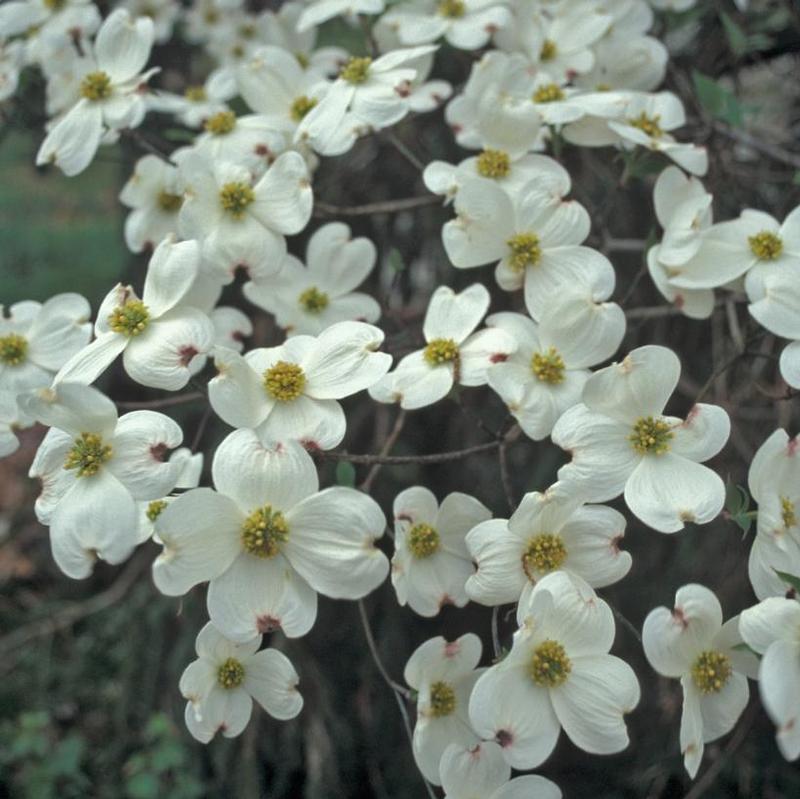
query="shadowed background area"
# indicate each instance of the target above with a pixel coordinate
(89, 704)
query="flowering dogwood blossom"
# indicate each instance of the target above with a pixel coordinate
(307, 298)
(443, 674)
(692, 644)
(431, 563)
(37, 338)
(290, 391)
(557, 674)
(549, 531)
(157, 335)
(109, 93)
(222, 683)
(268, 540)
(774, 482)
(772, 629)
(319, 11)
(480, 772)
(453, 354)
(620, 440)
(11, 420)
(93, 467)
(547, 372)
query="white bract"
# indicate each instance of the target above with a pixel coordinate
(37, 339)
(109, 91)
(268, 540)
(431, 563)
(557, 674)
(772, 628)
(222, 683)
(443, 674)
(453, 354)
(547, 372)
(774, 482)
(291, 391)
(307, 298)
(535, 240)
(94, 467)
(550, 531)
(319, 11)
(690, 643)
(158, 336)
(480, 772)
(621, 441)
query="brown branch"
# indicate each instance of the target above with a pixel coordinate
(391, 440)
(384, 207)
(166, 402)
(401, 460)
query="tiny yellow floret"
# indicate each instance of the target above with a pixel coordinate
(264, 532)
(549, 93)
(650, 125)
(525, 251)
(549, 666)
(548, 366)
(452, 9)
(235, 197)
(549, 50)
(788, 513)
(13, 349)
(221, 123)
(87, 455)
(154, 509)
(356, 70)
(169, 203)
(284, 381)
(230, 674)
(130, 319)
(441, 351)
(711, 671)
(494, 164)
(443, 699)
(766, 246)
(313, 300)
(545, 553)
(96, 86)
(423, 541)
(301, 106)
(651, 436)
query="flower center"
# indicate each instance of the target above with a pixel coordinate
(356, 70)
(549, 93)
(13, 349)
(765, 246)
(441, 350)
(494, 164)
(549, 50)
(55, 5)
(548, 366)
(169, 203)
(545, 553)
(313, 300)
(549, 666)
(264, 532)
(87, 455)
(711, 671)
(788, 512)
(651, 436)
(195, 94)
(453, 9)
(423, 541)
(96, 86)
(525, 251)
(302, 59)
(443, 699)
(230, 674)
(235, 197)
(154, 509)
(221, 124)
(211, 16)
(285, 381)
(650, 125)
(130, 319)
(301, 106)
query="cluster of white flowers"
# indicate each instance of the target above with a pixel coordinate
(266, 539)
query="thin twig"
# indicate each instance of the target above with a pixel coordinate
(201, 428)
(391, 440)
(137, 137)
(496, 631)
(384, 207)
(625, 622)
(404, 151)
(402, 460)
(166, 402)
(768, 148)
(505, 476)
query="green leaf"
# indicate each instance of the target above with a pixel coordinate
(790, 579)
(736, 498)
(143, 786)
(736, 37)
(717, 100)
(396, 263)
(346, 474)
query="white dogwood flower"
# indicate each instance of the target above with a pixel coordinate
(557, 674)
(550, 531)
(269, 540)
(222, 683)
(772, 628)
(11, 420)
(291, 391)
(546, 374)
(443, 674)
(307, 298)
(431, 563)
(690, 643)
(319, 11)
(110, 93)
(534, 240)
(620, 440)
(453, 353)
(480, 772)
(37, 339)
(158, 336)
(241, 222)
(774, 482)
(94, 467)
